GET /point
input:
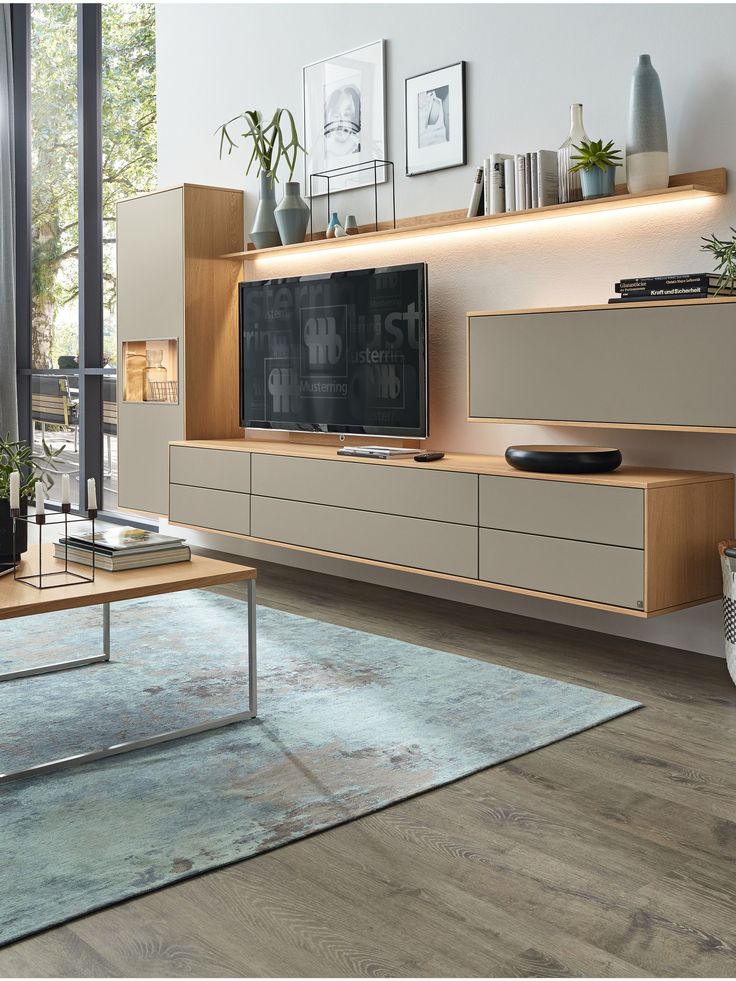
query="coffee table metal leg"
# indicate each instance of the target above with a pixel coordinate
(163, 737)
(79, 662)
(252, 657)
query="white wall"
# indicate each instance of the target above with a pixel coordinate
(215, 60)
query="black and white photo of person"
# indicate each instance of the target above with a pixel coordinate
(433, 116)
(344, 119)
(342, 122)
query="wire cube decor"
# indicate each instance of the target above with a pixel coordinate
(380, 170)
(59, 577)
(163, 391)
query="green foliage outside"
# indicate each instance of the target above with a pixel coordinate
(128, 158)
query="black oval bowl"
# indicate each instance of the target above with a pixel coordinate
(566, 459)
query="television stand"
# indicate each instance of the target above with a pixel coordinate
(376, 452)
(635, 541)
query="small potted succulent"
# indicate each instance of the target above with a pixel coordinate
(596, 165)
(17, 455)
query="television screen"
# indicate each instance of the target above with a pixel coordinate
(341, 352)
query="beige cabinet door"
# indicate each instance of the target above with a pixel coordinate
(150, 249)
(653, 365)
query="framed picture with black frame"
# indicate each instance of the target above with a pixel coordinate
(435, 120)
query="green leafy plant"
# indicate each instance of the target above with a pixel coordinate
(724, 251)
(32, 466)
(273, 142)
(594, 154)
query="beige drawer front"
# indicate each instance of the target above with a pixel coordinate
(587, 512)
(420, 493)
(433, 545)
(221, 510)
(219, 469)
(601, 573)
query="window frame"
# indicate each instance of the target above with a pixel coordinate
(91, 321)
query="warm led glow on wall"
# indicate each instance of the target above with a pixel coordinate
(682, 196)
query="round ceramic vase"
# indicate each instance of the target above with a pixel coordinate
(265, 232)
(333, 226)
(292, 215)
(647, 161)
(597, 183)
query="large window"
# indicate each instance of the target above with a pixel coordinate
(115, 51)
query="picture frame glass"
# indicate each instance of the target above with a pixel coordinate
(435, 120)
(344, 118)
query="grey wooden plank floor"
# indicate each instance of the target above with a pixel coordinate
(610, 854)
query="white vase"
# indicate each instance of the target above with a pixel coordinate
(647, 160)
(569, 184)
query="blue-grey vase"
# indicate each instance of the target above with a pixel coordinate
(265, 233)
(597, 183)
(647, 161)
(292, 215)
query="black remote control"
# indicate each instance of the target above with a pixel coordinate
(428, 457)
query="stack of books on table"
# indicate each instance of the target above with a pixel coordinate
(515, 182)
(119, 548)
(688, 286)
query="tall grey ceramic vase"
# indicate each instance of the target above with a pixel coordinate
(647, 162)
(292, 215)
(265, 234)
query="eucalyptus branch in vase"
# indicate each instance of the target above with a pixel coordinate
(272, 144)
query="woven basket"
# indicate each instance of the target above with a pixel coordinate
(728, 568)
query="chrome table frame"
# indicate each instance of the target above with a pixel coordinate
(133, 744)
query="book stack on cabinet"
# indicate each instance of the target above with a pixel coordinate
(686, 286)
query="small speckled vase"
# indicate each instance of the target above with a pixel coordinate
(647, 161)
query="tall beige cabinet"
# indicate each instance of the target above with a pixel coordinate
(177, 330)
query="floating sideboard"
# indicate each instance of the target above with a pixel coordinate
(665, 365)
(638, 542)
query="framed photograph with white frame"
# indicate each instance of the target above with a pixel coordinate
(435, 120)
(344, 116)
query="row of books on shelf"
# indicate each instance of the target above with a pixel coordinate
(116, 549)
(515, 182)
(688, 286)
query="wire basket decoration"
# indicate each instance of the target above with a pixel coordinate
(163, 391)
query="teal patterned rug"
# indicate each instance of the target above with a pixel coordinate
(349, 723)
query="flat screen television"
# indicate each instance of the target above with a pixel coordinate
(342, 352)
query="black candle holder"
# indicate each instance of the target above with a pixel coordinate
(36, 580)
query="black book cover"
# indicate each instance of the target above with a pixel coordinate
(649, 282)
(700, 295)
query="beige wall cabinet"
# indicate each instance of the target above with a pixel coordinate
(174, 287)
(639, 542)
(663, 365)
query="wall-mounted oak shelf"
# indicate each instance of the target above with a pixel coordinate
(683, 187)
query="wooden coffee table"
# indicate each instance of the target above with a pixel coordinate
(18, 599)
